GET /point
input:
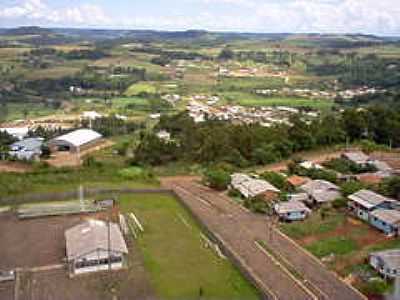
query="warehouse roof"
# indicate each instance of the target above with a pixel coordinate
(93, 235)
(79, 137)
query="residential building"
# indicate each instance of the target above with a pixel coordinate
(95, 246)
(387, 263)
(250, 187)
(292, 210)
(300, 197)
(386, 220)
(357, 157)
(27, 149)
(362, 203)
(321, 191)
(164, 135)
(75, 141)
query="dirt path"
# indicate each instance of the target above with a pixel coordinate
(240, 229)
(14, 167)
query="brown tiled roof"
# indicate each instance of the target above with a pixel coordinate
(296, 180)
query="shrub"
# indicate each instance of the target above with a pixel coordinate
(217, 179)
(276, 180)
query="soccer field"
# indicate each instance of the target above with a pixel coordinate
(180, 263)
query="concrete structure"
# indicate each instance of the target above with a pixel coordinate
(75, 141)
(91, 115)
(301, 197)
(95, 246)
(386, 220)
(362, 203)
(27, 149)
(321, 191)
(250, 187)
(292, 210)
(387, 263)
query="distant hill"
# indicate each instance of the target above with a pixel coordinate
(29, 30)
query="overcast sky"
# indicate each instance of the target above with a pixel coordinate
(333, 16)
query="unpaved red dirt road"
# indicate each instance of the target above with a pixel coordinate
(284, 271)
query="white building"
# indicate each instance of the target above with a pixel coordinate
(95, 246)
(75, 141)
(17, 132)
(250, 187)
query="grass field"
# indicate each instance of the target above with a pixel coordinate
(249, 99)
(141, 87)
(179, 264)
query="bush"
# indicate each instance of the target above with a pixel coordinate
(257, 205)
(234, 193)
(339, 203)
(276, 179)
(135, 173)
(351, 187)
(217, 179)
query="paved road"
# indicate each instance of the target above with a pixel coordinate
(282, 269)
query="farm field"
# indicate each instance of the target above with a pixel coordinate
(179, 263)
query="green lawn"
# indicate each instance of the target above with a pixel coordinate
(249, 99)
(178, 262)
(141, 87)
(332, 245)
(314, 225)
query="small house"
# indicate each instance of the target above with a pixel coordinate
(300, 197)
(250, 187)
(27, 149)
(95, 246)
(362, 203)
(387, 263)
(386, 220)
(321, 191)
(292, 211)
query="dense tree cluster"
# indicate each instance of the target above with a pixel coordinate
(246, 145)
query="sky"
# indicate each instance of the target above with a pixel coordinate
(380, 17)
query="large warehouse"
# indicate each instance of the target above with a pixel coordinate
(76, 141)
(95, 246)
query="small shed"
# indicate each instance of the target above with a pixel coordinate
(357, 157)
(95, 246)
(296, 181)
(251, 187)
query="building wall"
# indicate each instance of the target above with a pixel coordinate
(294, 216)
(383, 226)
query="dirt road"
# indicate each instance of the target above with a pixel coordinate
(281, 269)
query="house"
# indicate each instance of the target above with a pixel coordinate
(95, 246)
(296, 181)
(27, 149)
(386, 220)
(164, 135)
(370, 178)
(18, 133)
(91, 115)
(321, 191)
(292, 210)
(357, 157)
(362, 203)
(310, 165)
(387, 263)
(381, 166)
(250, 187)
(75, 141)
